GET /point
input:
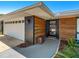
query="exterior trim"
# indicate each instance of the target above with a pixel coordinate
(33, 29)
(76, 28)
(2, 27)
(25, 29)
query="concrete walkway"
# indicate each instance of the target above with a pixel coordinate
(45, 50)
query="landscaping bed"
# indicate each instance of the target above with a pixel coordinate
(68, 50)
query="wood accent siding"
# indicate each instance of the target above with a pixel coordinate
(67, 27)
(40, 26)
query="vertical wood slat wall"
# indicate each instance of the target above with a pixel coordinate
(67, 27)
(40, 26)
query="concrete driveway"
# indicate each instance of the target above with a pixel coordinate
(10, 41)
(6, 51)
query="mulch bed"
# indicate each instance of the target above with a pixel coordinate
(25, 44)
(63, 44)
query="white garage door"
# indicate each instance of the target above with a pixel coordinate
(14, 28)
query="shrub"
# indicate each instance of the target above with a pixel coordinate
(71, 50)
(71, 42)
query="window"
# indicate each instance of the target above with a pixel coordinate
(13, 22)
(19, 21)
(23, 21)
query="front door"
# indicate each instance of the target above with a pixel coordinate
(53, 28)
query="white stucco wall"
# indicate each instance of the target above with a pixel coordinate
(16, 30)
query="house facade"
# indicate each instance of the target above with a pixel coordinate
(69, 25)
(36, 22)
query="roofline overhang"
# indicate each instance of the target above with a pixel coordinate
(39, 4)
(70, 13)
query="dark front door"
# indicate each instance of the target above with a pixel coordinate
(52, 28)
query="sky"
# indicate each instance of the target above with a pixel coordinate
(54, 6)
